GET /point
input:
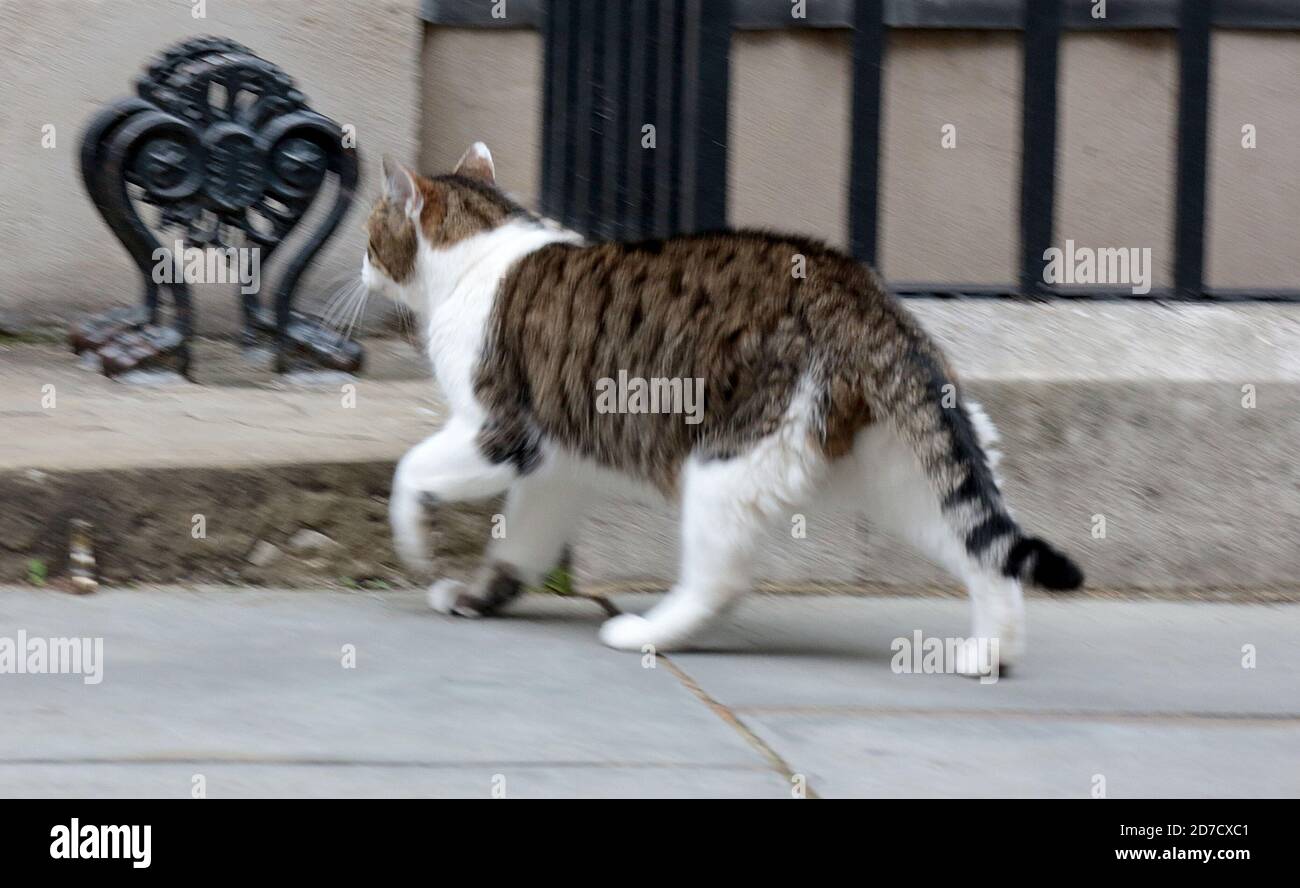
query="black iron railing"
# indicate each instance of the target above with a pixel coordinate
(611, 64)
(619, 77)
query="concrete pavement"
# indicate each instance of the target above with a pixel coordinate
(255, 692)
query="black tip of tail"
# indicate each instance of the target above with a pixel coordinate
(1055, 571)
(1045, 566)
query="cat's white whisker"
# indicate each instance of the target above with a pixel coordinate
(340, 297)
(341, 306)
(358, 313)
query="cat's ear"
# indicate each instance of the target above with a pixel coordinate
(400, 187)
(476, 163)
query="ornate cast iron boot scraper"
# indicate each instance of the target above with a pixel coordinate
(221, 154)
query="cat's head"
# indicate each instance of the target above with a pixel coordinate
(419, 218)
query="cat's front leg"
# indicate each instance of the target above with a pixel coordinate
(449, 466)
(543, 512)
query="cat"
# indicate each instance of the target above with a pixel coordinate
(818, 389)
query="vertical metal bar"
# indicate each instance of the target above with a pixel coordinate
(554, 100)
(648, 159)
(598, 117)
(666, 122)
(679, 89)
(1038, 141)
(586, 36)
(706, 178)
(1193, 114)
(617, 132)
(640, 50)
(864, 160)
(573, 119)
(689, 114)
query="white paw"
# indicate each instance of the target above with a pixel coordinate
(628, 632)
(444, 594)
(1011, 642)
(980, 658)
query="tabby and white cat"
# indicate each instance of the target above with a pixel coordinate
(819, 389)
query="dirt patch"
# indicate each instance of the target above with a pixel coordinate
(310, 525)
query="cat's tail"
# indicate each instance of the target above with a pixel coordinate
(919, 397)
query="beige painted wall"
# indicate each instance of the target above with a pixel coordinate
(1118, 98)
(355, 59)
(484, 86)
(790, 139)
(949, 214)
(788, 145)
(1253, 224)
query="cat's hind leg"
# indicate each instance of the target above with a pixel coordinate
(726, 505)
(542, 514)
(899, 498)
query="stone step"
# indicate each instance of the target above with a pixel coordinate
(1131, 413)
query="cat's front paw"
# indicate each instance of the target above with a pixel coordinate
(452, 597)
(627, 632)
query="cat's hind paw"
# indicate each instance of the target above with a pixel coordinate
(980, 658)
(630, 632)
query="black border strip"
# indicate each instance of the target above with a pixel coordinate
(764, 15)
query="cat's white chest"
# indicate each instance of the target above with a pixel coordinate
(456, 334)
(461, 284)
